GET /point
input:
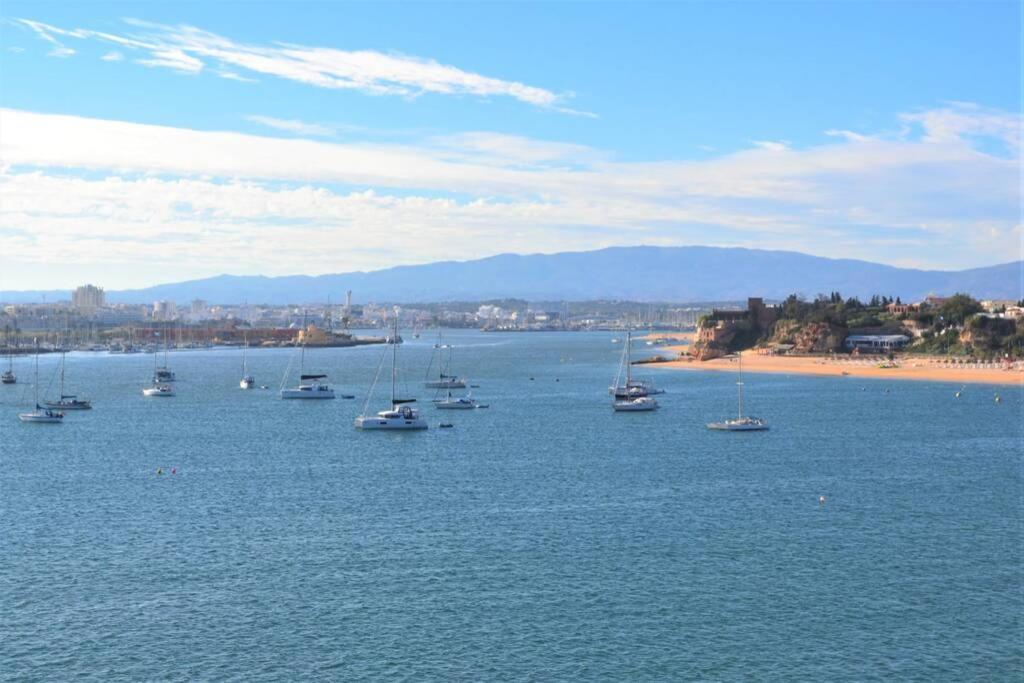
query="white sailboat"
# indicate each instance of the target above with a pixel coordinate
(401, 415)
(445, 380)
(632, 388)
(247, 381)
(629, 403)
(9, 377)
(160, 387)
(310, 386)
(40, 415)
(67, 401)
(741, 423)
(450, 402)
(162, 374)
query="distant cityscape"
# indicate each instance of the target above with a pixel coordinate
(87, 320)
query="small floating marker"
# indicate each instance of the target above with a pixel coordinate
(531, 379)
(159, 470)
(557, 380)
(174, 470)
(446, 425)
(998, 398)
(821, 500)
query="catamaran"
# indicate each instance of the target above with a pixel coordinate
(247, 381)
(67, 401)
(40, 414)
(401, 415)
(444, 380)
(310, 386)
(629, 403)
(741, 423)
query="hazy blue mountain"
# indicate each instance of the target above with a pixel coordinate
(633, 273)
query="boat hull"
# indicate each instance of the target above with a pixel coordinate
(636, 406)
(446, 384)
(157, 393)
(377, 422)
(454, 405)
(307, 393)
(76, 405)
(40, 418)
(247, 383)
(738, 427)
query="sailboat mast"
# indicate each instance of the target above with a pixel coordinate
(629, 375)
(35, 383)
(739, 389)
(394, 358)
(245, 345)
(302, 347)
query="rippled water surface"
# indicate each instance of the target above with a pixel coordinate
(544, 538)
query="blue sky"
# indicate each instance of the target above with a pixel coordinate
(147, 142)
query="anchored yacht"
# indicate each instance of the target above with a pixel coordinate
(247, 381)
(40, 414)
(445, 380)
(630, 398)
(457, 403)
(741, 423)
(401, 415)
(67, 401)
(310, 386)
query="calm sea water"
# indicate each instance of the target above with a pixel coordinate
(545, 538)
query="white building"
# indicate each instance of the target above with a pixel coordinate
(876, 343)
(165, 310)
(88, 298)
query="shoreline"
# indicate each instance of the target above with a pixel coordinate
(924, 369)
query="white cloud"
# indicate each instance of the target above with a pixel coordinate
(771, 145)
(292, 126)
(960, 119)
(112, 56)
(188, 49)
(232, 76)
(294, 205)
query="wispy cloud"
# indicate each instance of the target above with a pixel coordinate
(188, 49)
(112, 56)
(772, 145)
(292, 126)
(100, 189)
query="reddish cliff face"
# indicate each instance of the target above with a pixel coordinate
(809, 338)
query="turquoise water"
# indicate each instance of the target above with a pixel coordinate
(545, 538)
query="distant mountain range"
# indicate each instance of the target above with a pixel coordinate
(676, 274)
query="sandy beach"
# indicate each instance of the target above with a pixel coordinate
(907, 368)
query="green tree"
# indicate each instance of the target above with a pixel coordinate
(958, 308)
